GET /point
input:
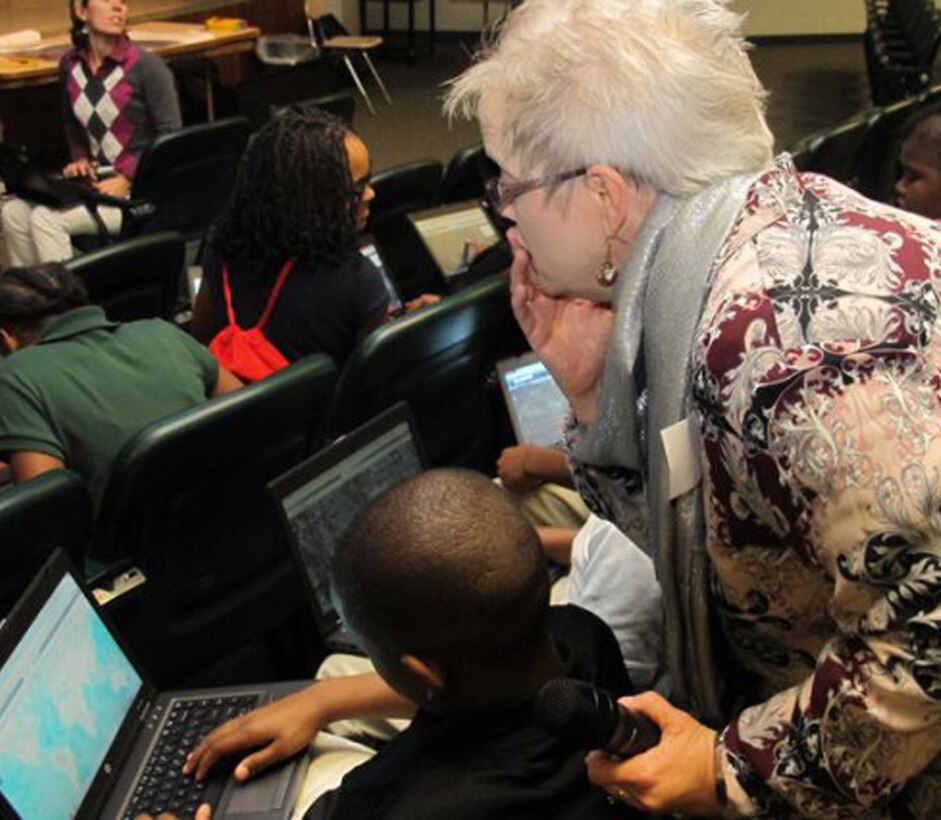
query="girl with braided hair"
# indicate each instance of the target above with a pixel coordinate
(301, 195)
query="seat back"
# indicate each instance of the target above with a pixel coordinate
(136, 278)
(465, 174)
(834, 151)
(187, 501)
(187, 175)
(49, 511)
(401, 190)
(342, 104)
(877, 162)
(440, 360)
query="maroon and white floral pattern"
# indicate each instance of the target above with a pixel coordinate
(817, 375)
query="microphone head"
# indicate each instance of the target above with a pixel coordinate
(582, 714)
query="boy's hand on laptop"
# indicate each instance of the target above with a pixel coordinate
(204, 812)
(278, 730)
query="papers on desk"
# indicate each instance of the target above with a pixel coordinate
(169, 33)
(16, 40)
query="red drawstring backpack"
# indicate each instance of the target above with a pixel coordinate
(248, 353)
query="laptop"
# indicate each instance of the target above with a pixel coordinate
(536, 404)
(83, 734)
(21, 177)
(319, 498)
(370, 250)
(455, 235)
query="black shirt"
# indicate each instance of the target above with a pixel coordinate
(489, 763)
(322, 307)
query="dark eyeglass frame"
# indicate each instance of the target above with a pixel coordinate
(502, 194)
(360, 186)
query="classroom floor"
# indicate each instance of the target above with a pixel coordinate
(811, 85)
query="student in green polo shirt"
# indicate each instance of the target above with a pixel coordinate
(76, 387)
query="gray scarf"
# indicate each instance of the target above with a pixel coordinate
(658, 301)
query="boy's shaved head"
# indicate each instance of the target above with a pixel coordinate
(918, 188)
(922, 135)
(444, 566)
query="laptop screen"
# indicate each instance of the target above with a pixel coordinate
(371, 251)
(342, 480)
(455, 235)
(64, 691)
(537, 405)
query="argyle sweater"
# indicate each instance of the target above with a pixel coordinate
(113, 114)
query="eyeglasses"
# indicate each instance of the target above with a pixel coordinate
(501, 194)
(360, 186)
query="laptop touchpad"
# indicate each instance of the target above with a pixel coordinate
(263, 793)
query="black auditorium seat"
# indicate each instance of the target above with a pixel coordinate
(186, 501)
(136, 278)
(49, 511)
(440, 360)
(465, 174)
(183, 180)
(401, 190)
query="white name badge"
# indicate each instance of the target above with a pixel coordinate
(682, 447)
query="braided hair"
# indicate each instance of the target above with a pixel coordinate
(293, 197)
(78, 31)
(30, 296)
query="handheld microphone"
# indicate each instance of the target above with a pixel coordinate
(591, 718)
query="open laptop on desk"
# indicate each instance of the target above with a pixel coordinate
(83, 734)
(536, 404)
(319, 498)
(455, 235)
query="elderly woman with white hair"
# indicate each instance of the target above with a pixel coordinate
(753, 363)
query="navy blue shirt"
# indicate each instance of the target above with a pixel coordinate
(322, 307)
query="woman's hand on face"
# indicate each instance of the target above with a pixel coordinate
(79, 168)
(675, 776)
(569, 335)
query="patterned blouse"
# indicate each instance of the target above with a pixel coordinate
(817, 374)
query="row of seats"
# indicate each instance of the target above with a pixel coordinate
(186, 499)
(901, 42)
(185, 178)
(863, 151)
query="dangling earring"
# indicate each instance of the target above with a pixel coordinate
(607, 274)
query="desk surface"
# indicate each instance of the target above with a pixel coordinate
(38, 65)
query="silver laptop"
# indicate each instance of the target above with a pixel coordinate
(370, 250)
(536, 404)
(84, 735)
(455, 235)
(319, 498)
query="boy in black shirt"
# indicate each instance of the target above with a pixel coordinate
(444, 583)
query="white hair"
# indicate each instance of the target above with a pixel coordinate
(661, 89)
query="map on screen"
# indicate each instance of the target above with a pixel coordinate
(64, 692)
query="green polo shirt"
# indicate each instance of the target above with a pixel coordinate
(89, 384)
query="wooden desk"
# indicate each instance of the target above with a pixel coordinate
(39, 65)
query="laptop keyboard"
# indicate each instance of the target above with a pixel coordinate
(162, 785)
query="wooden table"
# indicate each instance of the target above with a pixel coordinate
(39, 65)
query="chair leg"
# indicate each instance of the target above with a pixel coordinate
(359, 83)
(375, 74)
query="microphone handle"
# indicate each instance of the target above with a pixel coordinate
(635, 733)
